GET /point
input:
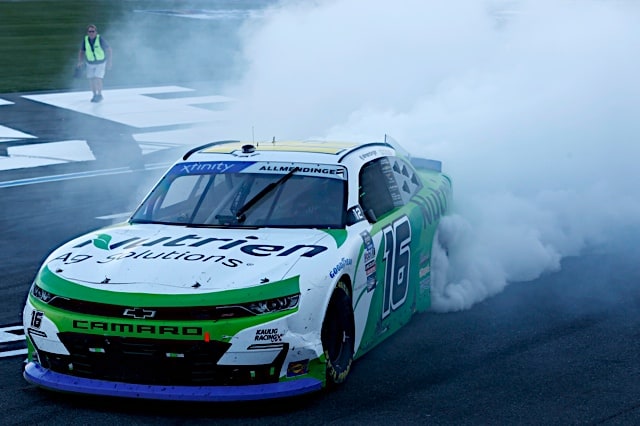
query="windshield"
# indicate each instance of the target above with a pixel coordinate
(248, 194)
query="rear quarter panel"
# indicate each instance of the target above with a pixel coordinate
(403, 241)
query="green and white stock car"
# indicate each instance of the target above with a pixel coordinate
(250, 271)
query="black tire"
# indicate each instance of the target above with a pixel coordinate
(338, 335)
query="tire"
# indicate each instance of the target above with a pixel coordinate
(439, 265)
(338, 335)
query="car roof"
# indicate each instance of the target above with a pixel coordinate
(308, 150)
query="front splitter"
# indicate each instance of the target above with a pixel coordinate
(36, 374)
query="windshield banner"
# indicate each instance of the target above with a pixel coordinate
(266, 167)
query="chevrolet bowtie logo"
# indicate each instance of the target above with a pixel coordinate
(139, 313)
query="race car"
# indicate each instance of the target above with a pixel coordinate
(250, 271)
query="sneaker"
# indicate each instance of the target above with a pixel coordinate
(95, 98)
(98, 98)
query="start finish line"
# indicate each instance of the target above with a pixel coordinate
(161, 118)
(12, 341)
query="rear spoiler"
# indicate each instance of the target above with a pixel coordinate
(418, 163)
(425, 163)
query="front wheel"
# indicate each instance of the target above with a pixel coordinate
(338, 333)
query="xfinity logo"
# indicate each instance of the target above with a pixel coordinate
(139, 313)
(215, 167)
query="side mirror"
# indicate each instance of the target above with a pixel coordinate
(371, 216)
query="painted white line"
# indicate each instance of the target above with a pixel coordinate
(195, 135)
(13, 353)
(44, 154)
(11, 134)
(144, 108)
(114, 216)
(134, 107)
(11, 337)
(12, 334)
(201, 13)
(79, 175)
(150, 147)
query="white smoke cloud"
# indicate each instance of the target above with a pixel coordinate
(531, 105)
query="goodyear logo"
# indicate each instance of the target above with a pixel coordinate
(344, 262)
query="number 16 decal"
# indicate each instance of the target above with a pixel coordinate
(397, 254)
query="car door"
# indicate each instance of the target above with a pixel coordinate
(387, 186)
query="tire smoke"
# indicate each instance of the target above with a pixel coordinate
(531, 105)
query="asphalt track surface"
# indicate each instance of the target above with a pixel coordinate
(559, 350)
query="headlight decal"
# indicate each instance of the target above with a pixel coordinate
(274, 305)
(53, 283)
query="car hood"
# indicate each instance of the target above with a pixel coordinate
(156, 259)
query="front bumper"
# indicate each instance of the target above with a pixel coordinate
(36, 374)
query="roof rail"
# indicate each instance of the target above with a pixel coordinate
(207, 145)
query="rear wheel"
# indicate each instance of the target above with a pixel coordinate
(338, 333)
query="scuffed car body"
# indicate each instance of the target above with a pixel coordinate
(248, 272)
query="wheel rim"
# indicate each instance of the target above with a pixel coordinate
(338, 337)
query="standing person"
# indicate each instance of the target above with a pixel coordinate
(96, 52)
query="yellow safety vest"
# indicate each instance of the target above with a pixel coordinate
(96, 54)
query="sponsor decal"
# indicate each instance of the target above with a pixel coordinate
(302, 169)
(102, 241)
(36, 318)
(356, 214)
(424, 271)
(370, 260)
(187, 256)
(268, 334)
(425, 283)
(209, 167)
(298, 368)
(249, 246)
(397, 261)
(369, 248)
(434, 204)
(424, 274)
(139, 313)
(221, 167)
(344, 262)
(368, 154)
(370, 268)
(371, 283)
(159, 330)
